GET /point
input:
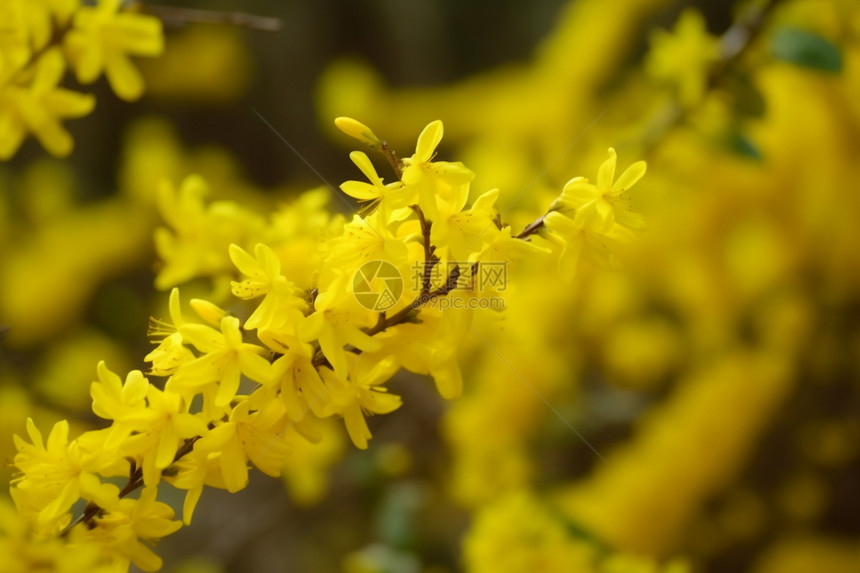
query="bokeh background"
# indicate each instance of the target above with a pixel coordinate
(715, 373)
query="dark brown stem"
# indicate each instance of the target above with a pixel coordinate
(736, 41)
(426, 295)
(532, 228)
(180, 16)
(392, 158)
(430, 258)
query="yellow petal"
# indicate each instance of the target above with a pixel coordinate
(191, 499)
(356, 426)
(125, 80)
(357, 130)
(167, 446)
(246, 264)
(428, 141)
(362, 161)
(606, 173)
(630, 176)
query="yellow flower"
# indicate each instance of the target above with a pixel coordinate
(430, 347)
(21, 551)
(283, 302)
(40, 15)
(300, 385)
(358, 130)
(15, 49)
(361, 392)
(609, 196)
(225, 358)
(586, 234)
(684, 58)
(363, 240)
(126, 524)
(247, 436)
(170, 353)
(389, 197)
(197, 240)
(39, 107)
(336, 322)
(519, 533)
(103, 38)
(113, 400)
(54, 475)
(439, 181)
(162, 426)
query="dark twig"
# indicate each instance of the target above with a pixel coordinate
(532, 228)
(410, 311)
(734, 44)
(180, 16)
(391, 156)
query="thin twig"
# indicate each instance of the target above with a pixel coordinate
(391, 156)
(180, 16)
(426, 295)
(734, 44)
(532, 228)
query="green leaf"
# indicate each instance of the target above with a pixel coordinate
(806, 48)
(743, 145)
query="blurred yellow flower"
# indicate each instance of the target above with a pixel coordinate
(38, 108)
(103, 39)
(684, 57)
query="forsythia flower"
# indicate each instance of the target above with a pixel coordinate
(197, 243)
(684, 57)
(239, 393)
(391, 196)
(38, 107)
(127, 524)
(37, 40)
(601, 216)
(608, 196)
(54, 475)
(103, 38)
(170, 353)
(282, 303)
(518, 533)
(435, 181)
(361, 392)
(225, 358)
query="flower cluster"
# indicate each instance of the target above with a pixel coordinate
(495, 543)
(40, 40)
(310, 334)
(692, 369)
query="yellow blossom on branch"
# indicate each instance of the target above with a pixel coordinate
(103, 38)
(39, 106)
(684, 57)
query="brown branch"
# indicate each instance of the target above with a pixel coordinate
(391, 156)
(430, 258)
(532, 228)
(410, 311)
(180, 16)
(734, 44)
